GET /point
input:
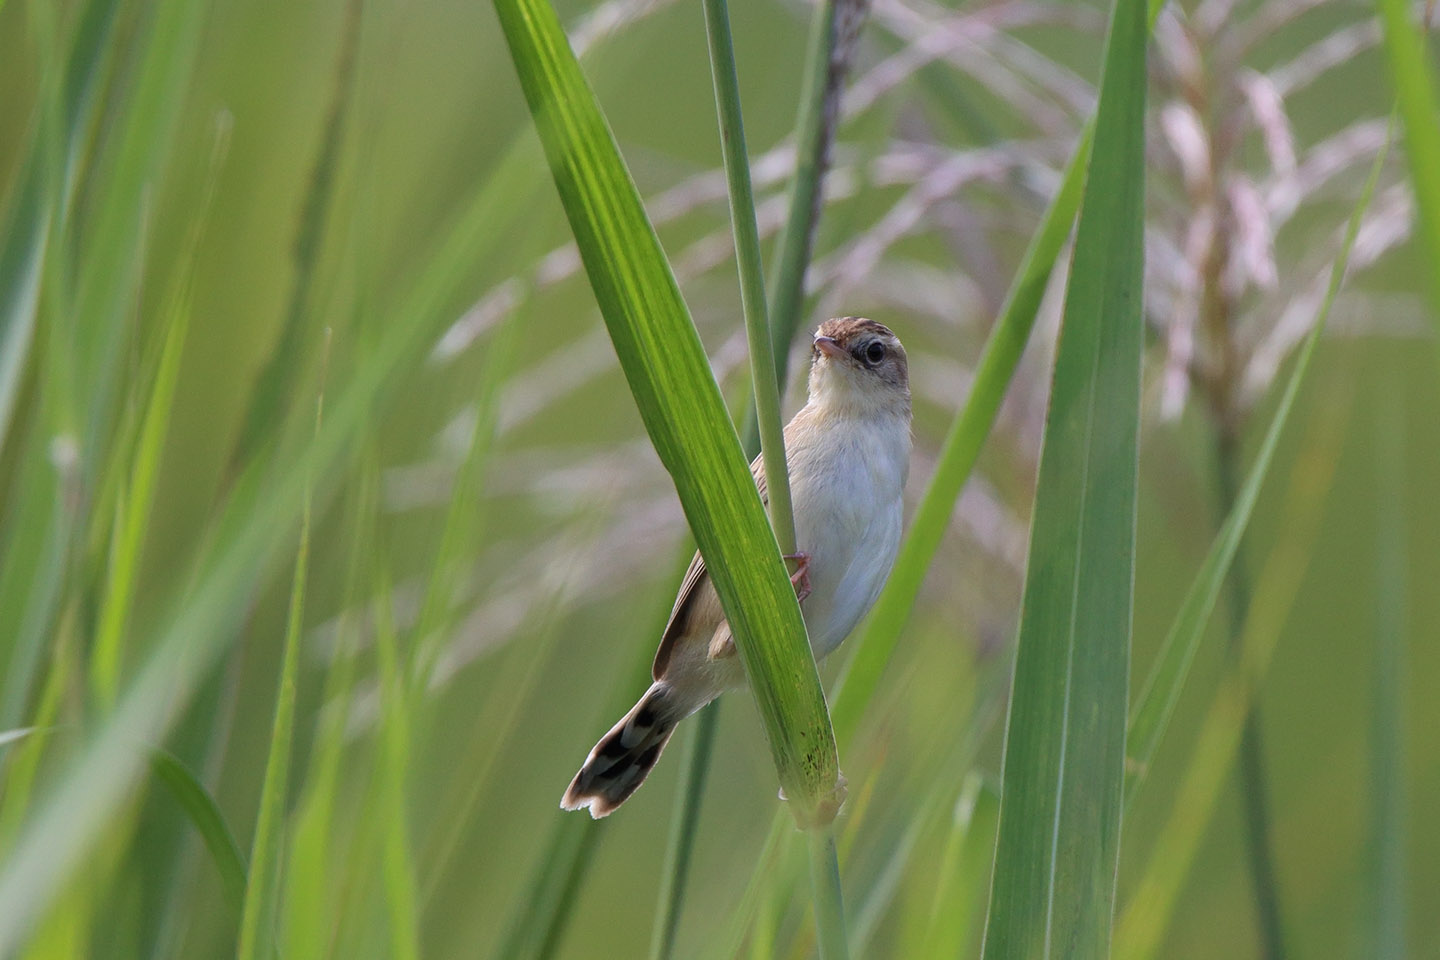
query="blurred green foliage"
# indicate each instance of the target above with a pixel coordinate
(434, 775)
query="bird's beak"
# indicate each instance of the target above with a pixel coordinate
(829, 346)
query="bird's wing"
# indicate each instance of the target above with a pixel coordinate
(696, 581)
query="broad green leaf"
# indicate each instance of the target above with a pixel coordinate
(1053, 889)
(680, 404)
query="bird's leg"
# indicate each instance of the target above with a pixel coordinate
(801, 577)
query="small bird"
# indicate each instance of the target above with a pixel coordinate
(848, 454)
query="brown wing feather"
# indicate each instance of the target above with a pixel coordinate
(691, 588)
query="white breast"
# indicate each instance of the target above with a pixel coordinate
(847, 482)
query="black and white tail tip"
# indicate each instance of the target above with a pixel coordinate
(624, 757)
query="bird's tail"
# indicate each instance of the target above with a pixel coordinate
(623, 758)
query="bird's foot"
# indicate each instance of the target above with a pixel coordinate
(801, 577)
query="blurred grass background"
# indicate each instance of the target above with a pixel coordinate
(432, 220)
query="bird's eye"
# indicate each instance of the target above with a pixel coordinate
(875, 352)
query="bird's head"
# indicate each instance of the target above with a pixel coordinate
(859, 368)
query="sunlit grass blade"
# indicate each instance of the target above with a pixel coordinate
(823, 81)
(1156, 701)
(39, 519)
(770, 858)
(1413, 74)
(1144, 919)
(1053, 889)
(746, 235)
(680, 404)
(824, 865)
(870, 910)
(139, 151)
(137, 492)
(522, 676)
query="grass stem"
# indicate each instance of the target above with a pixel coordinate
(752, 275)
(1252, 760)
(683, 828)
(829, 901)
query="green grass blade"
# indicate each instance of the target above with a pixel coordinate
(680, 404)
(881, 631)
(1414, 79)
(964, 870)
(278, 378)
(257, 933)
(205, 815)
(1157, 698)
(1389, 801)
(549, 898)
(392, 826)
(827, 54)
(144, 135)
(21, 266)
(309, 888)
(1146, 916)
(198, 804)
(133, 505)
(1053, 890)
(829, 903)
(463, 518)
(683, 827)
(752, 276)
(540, 915)
(257, 521)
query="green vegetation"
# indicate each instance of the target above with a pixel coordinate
(277, 684)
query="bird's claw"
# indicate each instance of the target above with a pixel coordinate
(801, 577)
